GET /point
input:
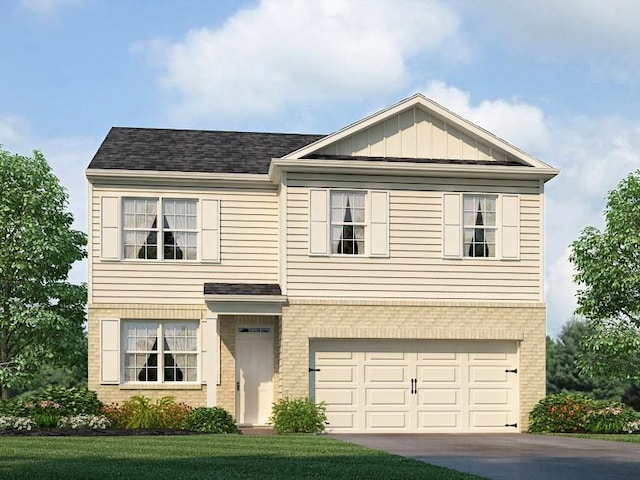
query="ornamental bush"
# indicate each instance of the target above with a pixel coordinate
(82, 421)
(11, 422)
(71, 400)
(298, 415)
(210, 420)
(140, 412)
(578, 413)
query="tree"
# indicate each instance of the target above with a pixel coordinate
(607, 268)
(41, 314)
(563, 372)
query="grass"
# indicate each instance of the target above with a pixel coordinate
(624, 437)
(206, 456)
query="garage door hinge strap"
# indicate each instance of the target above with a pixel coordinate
(314, 369)
(515, 425)
(515, 370)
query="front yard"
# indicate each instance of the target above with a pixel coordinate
(205, 456)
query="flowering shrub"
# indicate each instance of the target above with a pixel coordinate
(11, 422)
(94, 422)
(578, 413)
(210, 420)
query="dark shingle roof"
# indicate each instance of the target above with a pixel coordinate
(242, 289)
(195, 150)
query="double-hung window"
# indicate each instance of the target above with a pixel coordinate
(479, 233)
(172, 235)
(348, 223)
(160, 352)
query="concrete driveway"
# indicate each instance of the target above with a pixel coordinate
(516, 456)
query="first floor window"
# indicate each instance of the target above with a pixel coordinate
(160, 230)
(160, 351)
(479, 226)
(347, 223)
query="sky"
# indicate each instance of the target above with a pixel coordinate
(560, 80)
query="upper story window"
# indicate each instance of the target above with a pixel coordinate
(348, 223)
(479, 231)
(160, 351)
(172, 238)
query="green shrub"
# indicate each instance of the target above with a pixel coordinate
(210, 420)
(577, 413)
(298, 415)
(13, 408)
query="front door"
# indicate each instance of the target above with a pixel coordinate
(254, 374)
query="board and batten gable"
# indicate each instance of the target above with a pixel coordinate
(247, 230)
(415, 267)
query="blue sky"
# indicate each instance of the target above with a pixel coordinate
(561, 80)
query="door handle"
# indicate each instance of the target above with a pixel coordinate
(237, 386)
(414, 386)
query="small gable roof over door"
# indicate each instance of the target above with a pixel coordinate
(421, 131)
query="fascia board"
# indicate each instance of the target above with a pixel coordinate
(406, 168)
(152, 177)
(246, 298)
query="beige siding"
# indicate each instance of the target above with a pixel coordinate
(415, 133)
(415, 267)
(248, 242)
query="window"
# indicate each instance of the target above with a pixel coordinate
(173, 359)
(175, 238)
(348, 223)
(479, 232)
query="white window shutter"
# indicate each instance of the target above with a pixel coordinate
(210, 230)
(318, 222)
(379, 229)
(110, 351)
(109, 228)
(451, 225)
(510, 227)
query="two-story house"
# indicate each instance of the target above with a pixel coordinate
(392, 269)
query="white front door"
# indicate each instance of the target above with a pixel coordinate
(254, 374)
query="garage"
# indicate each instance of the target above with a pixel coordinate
(404, 386)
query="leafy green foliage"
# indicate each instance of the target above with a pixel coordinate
(298, 415)
(578, 413)
(72, 400)
(564, 374)
(210, 420)
(607, 268)
(41, 314)
(140, 412)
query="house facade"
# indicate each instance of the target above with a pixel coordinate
(392, 269)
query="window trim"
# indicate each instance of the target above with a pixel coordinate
(496, 227)
(160, 352)
(366, 223)
(160, 202)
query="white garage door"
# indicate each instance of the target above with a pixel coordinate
(416, 386)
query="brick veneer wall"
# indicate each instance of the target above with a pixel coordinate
(303, 320)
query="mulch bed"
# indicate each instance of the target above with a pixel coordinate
(88, 432)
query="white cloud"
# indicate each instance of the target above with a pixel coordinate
(519, 123)
(46, 7)
(279, 54)
(12, 129)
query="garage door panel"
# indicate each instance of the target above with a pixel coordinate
(373, 356)
(387, 396)
(335, 355)
(487, 374)
(333, 374)
(497, 396)
(489, 419)
(383, 420)
(438, 374)
(342, 420)
(438, 420)
(336, 396)
(438, 397)
(386, 373)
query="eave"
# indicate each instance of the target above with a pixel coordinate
(163, 178)
(356, 167)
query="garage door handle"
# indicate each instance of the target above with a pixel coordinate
(414, 386)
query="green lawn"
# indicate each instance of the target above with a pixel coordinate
(595, 436)
(205, 456)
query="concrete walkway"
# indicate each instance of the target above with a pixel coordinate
(514, 457)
